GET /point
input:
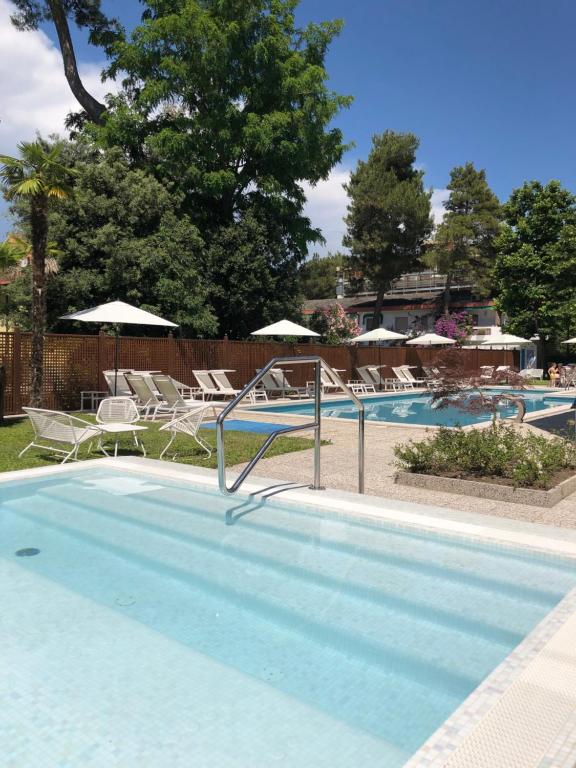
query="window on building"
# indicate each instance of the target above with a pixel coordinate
(400, 324)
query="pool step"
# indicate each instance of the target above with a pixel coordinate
(475, 565)
(440, 601)
(413, 647)
(371, 697)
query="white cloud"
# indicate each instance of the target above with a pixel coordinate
(326, 208)
(34, 94)
(439, 197)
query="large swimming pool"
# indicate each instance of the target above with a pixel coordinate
(417, 408)
(139, 630)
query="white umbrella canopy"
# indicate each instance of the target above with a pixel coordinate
(284, 328)
(569, 341)
(430, 340)
(378, 334)
(117, 313)
(505, 340)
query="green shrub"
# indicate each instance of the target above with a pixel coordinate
(499, 451)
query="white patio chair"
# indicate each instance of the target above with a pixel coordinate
(147, 401)
(207, 384)
(60, 428)
(189, 423)
(225, 388)
(118, 416)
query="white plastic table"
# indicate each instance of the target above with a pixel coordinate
(118, 430)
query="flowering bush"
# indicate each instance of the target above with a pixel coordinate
(457, 325)
(334, 325)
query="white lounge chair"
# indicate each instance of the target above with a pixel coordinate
(402, 381)
(189, 424)
(366, 377)
(532, 373)
(207, 384)
(327, 383)
(487, 372)
(275, 380)
(59, 428)
(117, 416)
(122, 387)
(225, 388)
(410, 376)
(173, 402)
(147, 401)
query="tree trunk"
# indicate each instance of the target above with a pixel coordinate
(446, 295)
(378, 307)
(93, 108)
(39, 226)
(2, 390)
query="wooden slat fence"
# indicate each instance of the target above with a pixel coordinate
(74, 362)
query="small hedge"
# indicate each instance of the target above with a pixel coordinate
(526, 460)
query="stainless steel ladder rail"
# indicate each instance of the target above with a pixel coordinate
(319, 363)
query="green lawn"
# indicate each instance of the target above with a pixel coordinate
(240, 446)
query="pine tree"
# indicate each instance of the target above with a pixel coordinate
(389, 212)
(464, 242)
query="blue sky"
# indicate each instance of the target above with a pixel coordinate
(490, 82)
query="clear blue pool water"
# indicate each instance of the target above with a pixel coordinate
(145, 632)
(417, 408)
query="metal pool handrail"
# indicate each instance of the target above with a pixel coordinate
(319, 363)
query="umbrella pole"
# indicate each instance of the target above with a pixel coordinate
(116, 357)
(380, 366)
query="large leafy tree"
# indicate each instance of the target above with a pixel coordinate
(389, 212)
(36, 177)
(535, 270)
(228, 102)
(464, 241)
(123, 237)
(86, 14)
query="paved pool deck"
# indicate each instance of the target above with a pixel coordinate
(340, 467)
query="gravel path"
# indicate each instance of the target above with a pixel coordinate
(339, 470)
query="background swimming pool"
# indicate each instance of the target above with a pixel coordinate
(145, 632)
(417, 409)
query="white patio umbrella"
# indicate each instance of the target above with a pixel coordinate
(117, 313)
(378, 334)
(284, 328)
(505, 340)
(430, 340)
(569, 341)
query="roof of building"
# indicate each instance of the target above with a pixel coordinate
(407, 301)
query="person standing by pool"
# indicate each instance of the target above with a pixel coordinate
(554, 373)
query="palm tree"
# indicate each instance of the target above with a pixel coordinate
(36, 176)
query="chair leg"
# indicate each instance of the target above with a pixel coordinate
(25, 449)
(172, 438)
(203, 444)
